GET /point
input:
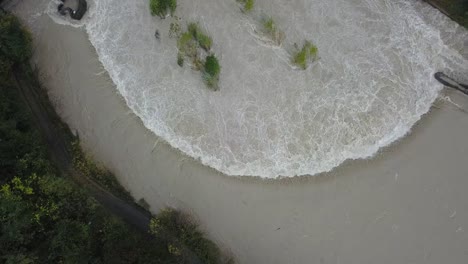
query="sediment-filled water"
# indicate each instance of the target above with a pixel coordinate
(373, 80)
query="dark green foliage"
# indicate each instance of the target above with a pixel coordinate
(49, 219)
(162, 7)
(204, 41)
(195, 44)
(38, 215)
(21, 152)
(456, 9)
(15, 42)
(212, 66)
(211, 71)
(187, 233)
(180, 59)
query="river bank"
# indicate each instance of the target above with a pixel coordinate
(455, 9)
(40, 155)
(407, 204)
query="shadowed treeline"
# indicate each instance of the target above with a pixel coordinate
(455, 9)
(51, 210)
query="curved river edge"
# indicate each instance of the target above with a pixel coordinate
(397, 132)
(407, 204)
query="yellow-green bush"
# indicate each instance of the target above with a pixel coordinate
(304, 56)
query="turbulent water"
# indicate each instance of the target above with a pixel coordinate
(373, 80)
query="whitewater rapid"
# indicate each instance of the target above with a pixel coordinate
(372, 83)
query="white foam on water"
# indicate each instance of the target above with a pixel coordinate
(373, 81)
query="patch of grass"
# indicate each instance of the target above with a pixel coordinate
(192, 28)
(203, 40)
(187, 45)
(162, 7)
(269, 25)
(271, 29)
(211, 71)
(307, 54)
(248, 5)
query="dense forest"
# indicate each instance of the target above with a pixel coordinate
(45, 217)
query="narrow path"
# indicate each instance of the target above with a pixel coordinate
(46, 119)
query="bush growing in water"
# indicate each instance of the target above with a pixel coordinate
(162, 7)
(203, 40)
(307, 54)
(248, 5)
(211, 71)
(189, 45)
(269, 25)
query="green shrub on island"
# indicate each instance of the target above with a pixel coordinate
(304, 56)
(203, 40)
(163, 7)
(187, 44)
(188, 47)
(192, 28)
(195, 45)
(248, 5)
(269, 25)
(271, 30)
(211, 71)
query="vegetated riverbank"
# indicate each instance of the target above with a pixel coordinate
(48, 218)
(455, 9)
